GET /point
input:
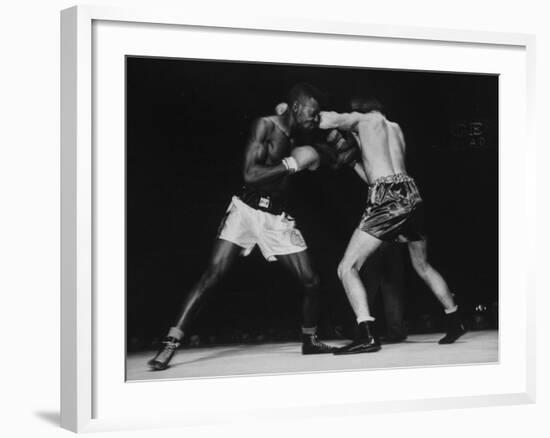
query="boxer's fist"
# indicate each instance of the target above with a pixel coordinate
(337, 141)
(343, 147)
(306, 157)
(347, 157)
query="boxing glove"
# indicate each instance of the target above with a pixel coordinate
(337, 141)
(306, 157)
(343, 148)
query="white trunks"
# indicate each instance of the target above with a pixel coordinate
(274, 234)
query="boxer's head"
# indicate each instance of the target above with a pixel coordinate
(365, 104)
(304, 105)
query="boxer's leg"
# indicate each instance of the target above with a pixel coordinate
(373, 282)
(361, 246)
(223, 255)
(393, 289)
(374, 267)
(437, 284)
(434, 280)
(299, 264)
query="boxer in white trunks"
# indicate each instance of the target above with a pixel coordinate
(258, 216)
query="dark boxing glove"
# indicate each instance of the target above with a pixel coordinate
(346, 150)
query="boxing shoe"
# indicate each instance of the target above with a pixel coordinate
(164, 355)
(311, 345)
(454, 328)
(365, 342)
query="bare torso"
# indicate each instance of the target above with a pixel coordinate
(277, 141)
(268, 146)
(381, 141)
(387, 157)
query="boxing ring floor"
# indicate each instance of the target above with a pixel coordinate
(274, 358)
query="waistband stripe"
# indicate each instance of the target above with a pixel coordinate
(397, 178)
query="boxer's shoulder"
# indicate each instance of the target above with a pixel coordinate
(262, 127)
(267, 123)
(372, 117)
(394, 126)
(274, 124)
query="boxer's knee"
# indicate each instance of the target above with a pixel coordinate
(311, 283)
(345, 268)
(308, 279)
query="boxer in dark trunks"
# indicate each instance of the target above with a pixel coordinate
(258, 216)
(385, 268)
(393, 213)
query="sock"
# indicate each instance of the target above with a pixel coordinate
(309, 330)
(451, 310)
(361, 319)
(175, 333)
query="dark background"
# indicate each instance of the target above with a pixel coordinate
(187, 125)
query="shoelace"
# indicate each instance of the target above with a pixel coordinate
(315, 341)
(170, 345)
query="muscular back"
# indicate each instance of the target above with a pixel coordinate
(396, 144)
(382, 146)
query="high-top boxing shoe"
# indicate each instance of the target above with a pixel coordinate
(454, 328)
(311, 345)
(164, 356)
(365, 342)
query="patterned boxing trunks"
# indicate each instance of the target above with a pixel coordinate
(395, 210)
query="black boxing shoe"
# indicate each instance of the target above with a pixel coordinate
(164, 356)
(454, 328)
(366, 341)
(311, 345)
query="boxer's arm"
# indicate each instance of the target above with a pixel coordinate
(349, 152)
(338, 150)
(255, 169)
(343, 121)
(338, 159)
(373, 134)
(348, 158)
(346, 121)
(328, 155)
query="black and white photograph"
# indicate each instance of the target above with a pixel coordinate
(302, 218)
(285, 218)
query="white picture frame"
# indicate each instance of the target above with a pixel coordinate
(83, 382)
